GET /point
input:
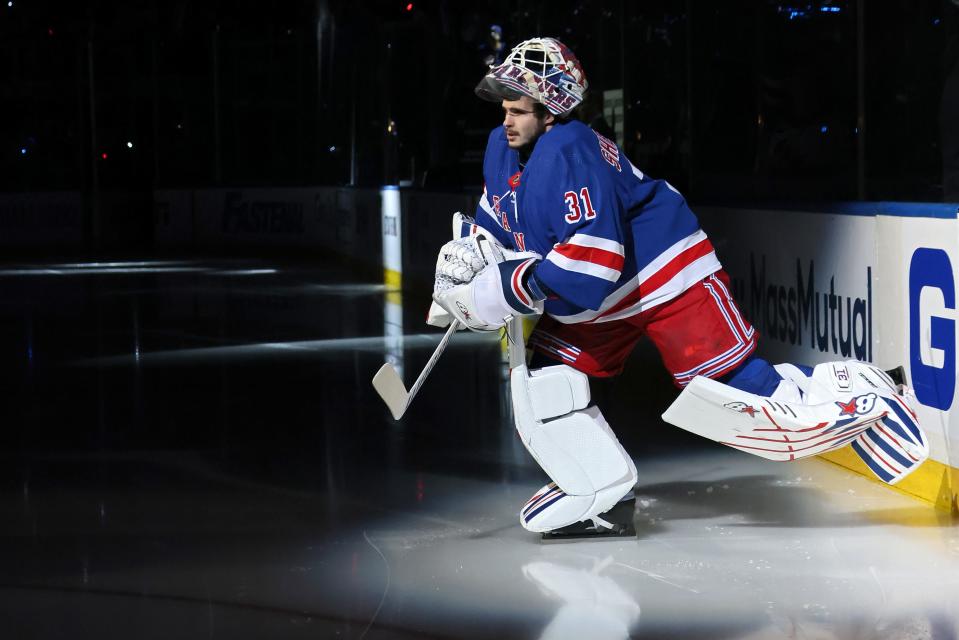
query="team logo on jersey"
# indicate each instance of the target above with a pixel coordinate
(742, 407)
(520, 240)
(859, 405)
(463, 310)
(501, 212)
(514, 180)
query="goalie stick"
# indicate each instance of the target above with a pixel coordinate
(389, 385)
(387, 381)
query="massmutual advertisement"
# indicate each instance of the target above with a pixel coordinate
(822, 286)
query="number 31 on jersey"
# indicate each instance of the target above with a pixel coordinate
(579, 205)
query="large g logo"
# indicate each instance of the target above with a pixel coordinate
(932, 337)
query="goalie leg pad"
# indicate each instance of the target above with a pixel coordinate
(589, 467)
(771, 429)
(887, 454)
(895, 447)
(842, 403)
(557, 390)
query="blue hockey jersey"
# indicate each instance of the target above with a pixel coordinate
(614, 241)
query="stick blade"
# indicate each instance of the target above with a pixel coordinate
(391, 388)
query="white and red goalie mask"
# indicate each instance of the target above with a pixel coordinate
(544, 69)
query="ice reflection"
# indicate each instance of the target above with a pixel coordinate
(345, 289)
(393, 327)
(303, 348)
(71, 271)
(593, 605)
(139, 267)
(244, 272)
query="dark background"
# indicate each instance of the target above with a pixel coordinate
(740, 99)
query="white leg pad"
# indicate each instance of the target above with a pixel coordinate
(556, 391)
(841, 403)
(574, 445)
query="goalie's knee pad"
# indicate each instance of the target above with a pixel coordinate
(572, 443)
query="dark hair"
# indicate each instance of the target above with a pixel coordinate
(541, 112)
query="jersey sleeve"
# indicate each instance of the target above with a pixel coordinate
(576, 203)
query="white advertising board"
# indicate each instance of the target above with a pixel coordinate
(809, 294)
(918, 323)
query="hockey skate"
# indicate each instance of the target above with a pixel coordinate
(615, 523)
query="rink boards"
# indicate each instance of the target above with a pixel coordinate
(870, 281)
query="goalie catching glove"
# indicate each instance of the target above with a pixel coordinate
(467, 272)
(460, 260)
(495, 294)
(457, 263)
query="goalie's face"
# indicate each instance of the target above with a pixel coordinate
(524, 123)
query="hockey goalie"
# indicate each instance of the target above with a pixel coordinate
(570, 230)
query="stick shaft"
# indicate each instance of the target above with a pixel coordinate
(440, 348)
(516, 346)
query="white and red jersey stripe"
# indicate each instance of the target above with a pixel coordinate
(590, 255)
(681, 266)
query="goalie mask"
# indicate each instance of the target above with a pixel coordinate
(543, 69)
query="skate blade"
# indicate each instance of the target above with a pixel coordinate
(620, 516)
(582, 531)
